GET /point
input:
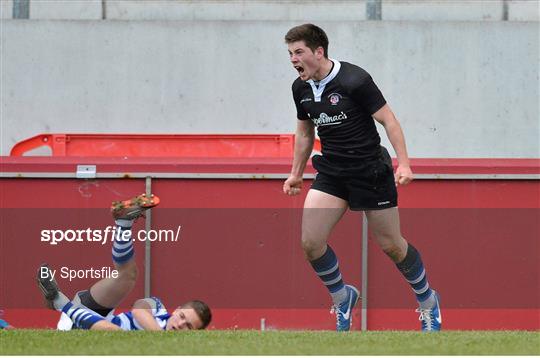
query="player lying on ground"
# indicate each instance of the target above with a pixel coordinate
(94, 308)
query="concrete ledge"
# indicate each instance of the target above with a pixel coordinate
(6, 9)
(65, 9)
(442, 10)
(524, 10)
(285, 10)
(277, 10)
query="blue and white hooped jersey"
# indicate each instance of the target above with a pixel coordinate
(127, 322)
(123, 320)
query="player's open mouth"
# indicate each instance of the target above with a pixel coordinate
(300, 69)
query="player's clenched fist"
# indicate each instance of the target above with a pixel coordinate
(403, 175)
(292, 185)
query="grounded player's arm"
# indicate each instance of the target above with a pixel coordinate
(303, 145)
(142, 312)
(105, 326)
(391, 125)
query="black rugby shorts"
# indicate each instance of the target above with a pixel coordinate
(88, 301)
(366, 186)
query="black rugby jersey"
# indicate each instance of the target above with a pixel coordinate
(341, 107)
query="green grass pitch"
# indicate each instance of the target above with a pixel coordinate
(49, 342)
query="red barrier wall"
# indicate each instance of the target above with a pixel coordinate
(239, 245)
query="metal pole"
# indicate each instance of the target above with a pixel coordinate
(147, 244)
(505, 10)
(364, 272)
(374, 9)
(103, 9)
(21, 9)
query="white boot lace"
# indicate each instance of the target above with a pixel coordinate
(425, 316)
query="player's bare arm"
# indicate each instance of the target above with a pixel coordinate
(105, 326)
(142, 312)
(303, 145)
(391, 125)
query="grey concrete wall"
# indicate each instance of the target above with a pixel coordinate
(464, 89)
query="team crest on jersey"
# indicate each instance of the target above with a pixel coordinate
(334, 98)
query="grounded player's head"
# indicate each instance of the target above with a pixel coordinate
(312, 36)
(191, 315)
(202, 310)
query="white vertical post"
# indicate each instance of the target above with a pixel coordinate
(364, 272)
(147, 243)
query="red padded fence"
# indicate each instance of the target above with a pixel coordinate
(240, 241)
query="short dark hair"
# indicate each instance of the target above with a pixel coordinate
(202, 310)
(312, 35)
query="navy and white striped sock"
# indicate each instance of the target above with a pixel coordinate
(81, 317)
(122, 250)
(413, 269)
(327, 268)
